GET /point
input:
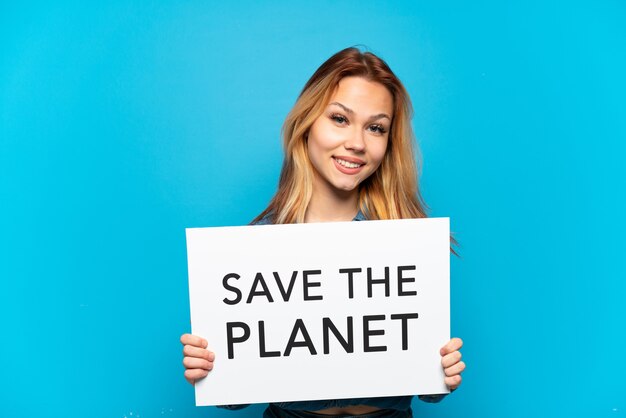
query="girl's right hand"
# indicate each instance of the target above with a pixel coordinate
(198, 361)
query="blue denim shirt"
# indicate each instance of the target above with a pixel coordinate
(402, 403)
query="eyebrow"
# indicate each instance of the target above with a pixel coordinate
(351, 112)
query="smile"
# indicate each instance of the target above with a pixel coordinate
(347, 164)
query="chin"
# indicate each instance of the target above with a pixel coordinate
(346, 187)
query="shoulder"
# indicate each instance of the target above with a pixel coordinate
(266, 220)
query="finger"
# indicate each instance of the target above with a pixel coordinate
(454, 344)
(453, 382)
(455, 369)
(451, 359)
(191, 351)
(190, 339)
(197, 363)
(193, 375)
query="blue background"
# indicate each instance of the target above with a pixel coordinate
(122, 123)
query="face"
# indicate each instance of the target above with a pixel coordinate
(347, 143)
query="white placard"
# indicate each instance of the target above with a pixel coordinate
(260, 295)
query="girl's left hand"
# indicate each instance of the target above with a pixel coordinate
(451, 362)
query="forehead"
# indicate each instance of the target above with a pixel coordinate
(364, 97)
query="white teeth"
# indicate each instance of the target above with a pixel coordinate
(347, 164)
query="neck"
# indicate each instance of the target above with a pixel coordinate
(329, 205)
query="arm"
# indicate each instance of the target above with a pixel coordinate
(432, 398)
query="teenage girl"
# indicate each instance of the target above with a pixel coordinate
(349, 155)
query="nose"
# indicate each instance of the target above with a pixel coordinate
(356, 141)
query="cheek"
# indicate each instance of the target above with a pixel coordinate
(316, 151)
(313, 145)
(325, 136)
(378, 153)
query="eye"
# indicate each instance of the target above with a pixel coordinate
(338, 118)
(379, 129)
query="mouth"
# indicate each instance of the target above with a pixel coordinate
(351, 163)
(348, 165)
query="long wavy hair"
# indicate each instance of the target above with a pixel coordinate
(392, 191)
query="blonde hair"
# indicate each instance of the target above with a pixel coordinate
(392, 191)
